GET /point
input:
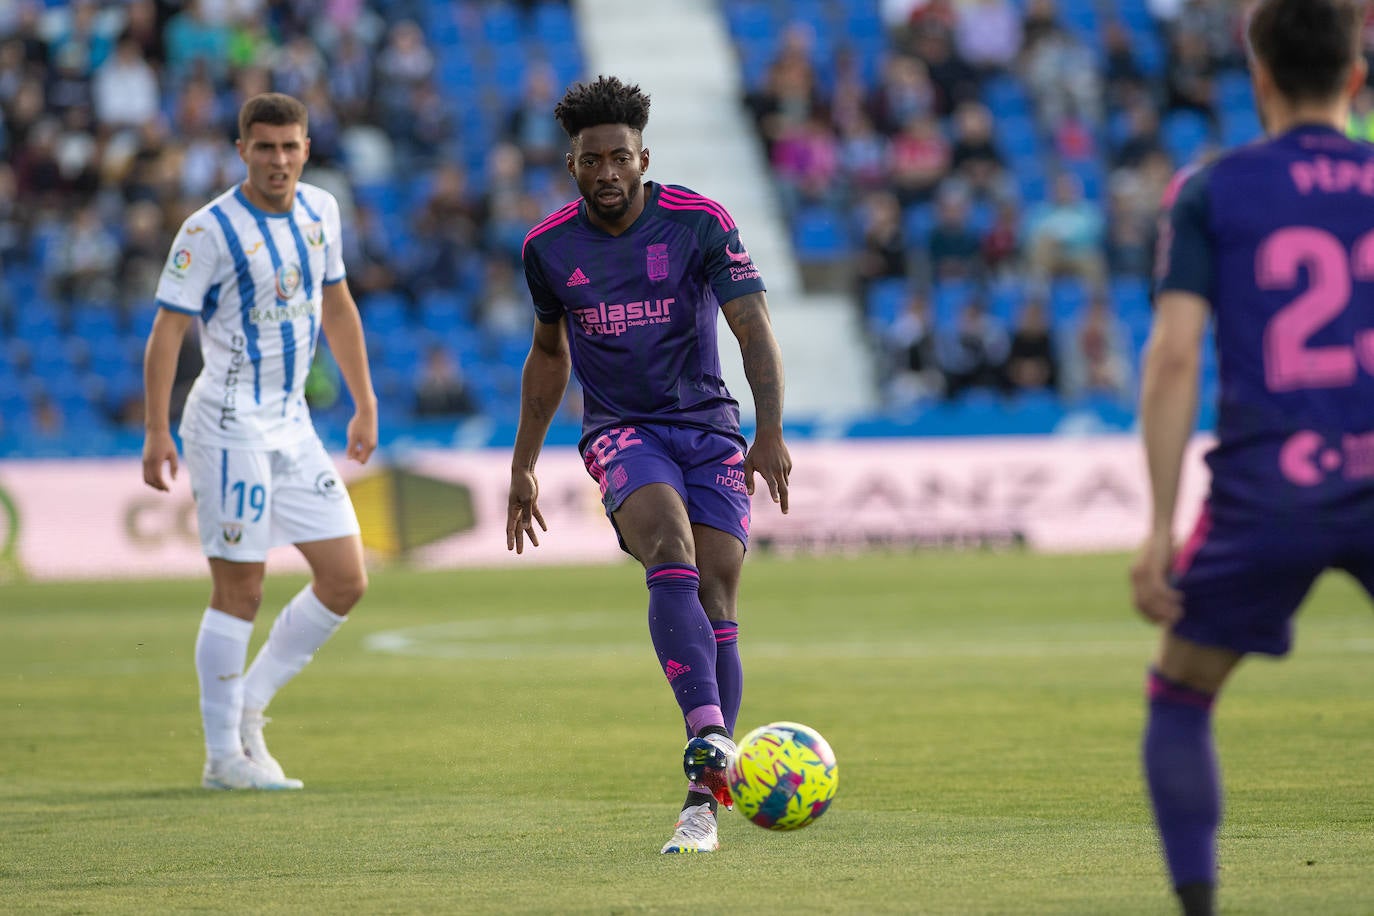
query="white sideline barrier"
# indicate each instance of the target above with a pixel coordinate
(74, 519)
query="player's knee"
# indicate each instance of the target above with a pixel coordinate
(716, 600)
(667, 547)
(341, 593)
(240, 600)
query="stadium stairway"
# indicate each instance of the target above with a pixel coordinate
(700, 136)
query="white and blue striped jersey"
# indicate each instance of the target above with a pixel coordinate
(256, 280)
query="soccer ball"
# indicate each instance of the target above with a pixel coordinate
(783, 776)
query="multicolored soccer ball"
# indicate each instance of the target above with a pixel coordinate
(783, 776)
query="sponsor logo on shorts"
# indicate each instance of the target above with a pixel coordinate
(732, 478)
(232, 531)
(327, 485)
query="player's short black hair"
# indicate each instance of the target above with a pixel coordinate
(272, 108)
(606, 101)
(1308, 46)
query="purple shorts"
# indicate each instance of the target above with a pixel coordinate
(1242, 582)
(705, 468)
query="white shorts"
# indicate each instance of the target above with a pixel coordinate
(250, 500)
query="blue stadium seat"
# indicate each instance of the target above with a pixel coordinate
(1185, 133)
(1149, 52)
(1005, 297)
(383, 312)
(501, 26)
(1080, 18)
(94, 322)
(1068, 296)
(1017, 135)
(36, 320)
(441, 311)
(1130, 294)
(1233, 90)
(818, 233)
(750, 20)
(918, 221)
(1005, 97)
(886, 300)
(948, 298)
(1240, 126)
(552, 24)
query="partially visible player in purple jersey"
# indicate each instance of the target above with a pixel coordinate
(1274, 243)
(627, 283)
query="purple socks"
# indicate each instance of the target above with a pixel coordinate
(729, 671)
(684, 641)
(1184, 781)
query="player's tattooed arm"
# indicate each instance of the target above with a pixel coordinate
(748, 319)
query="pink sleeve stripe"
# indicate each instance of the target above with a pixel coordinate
(674, 200)
(1176, 184)
(683, 197)
(558, 217)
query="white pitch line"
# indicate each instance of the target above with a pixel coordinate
(490, 638)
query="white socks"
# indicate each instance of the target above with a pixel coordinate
(221, 650)
(297, 634)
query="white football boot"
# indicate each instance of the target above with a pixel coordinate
(695, 831)
(238, 772)
(254, 745)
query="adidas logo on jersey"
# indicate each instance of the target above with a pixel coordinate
(578, 278)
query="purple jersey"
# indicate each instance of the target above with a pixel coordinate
(642, 306)
(1279, 238)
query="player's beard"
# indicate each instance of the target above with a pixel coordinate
(613, 214)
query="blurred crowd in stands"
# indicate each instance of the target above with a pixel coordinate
(997, 176)
(119, 119)
(983, 175)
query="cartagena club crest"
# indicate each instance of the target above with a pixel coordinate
(656, 257)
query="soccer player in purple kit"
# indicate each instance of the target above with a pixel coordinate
(626, 283)
(1274, 242)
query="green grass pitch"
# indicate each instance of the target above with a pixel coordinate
(502, 741)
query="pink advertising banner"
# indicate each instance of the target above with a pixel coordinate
(440, 509)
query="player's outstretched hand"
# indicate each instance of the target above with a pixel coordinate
(523, 511)
(770, 459)
(1154, 598)
(159, 448)
(362, 436)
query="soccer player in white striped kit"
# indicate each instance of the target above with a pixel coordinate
(261, 267)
